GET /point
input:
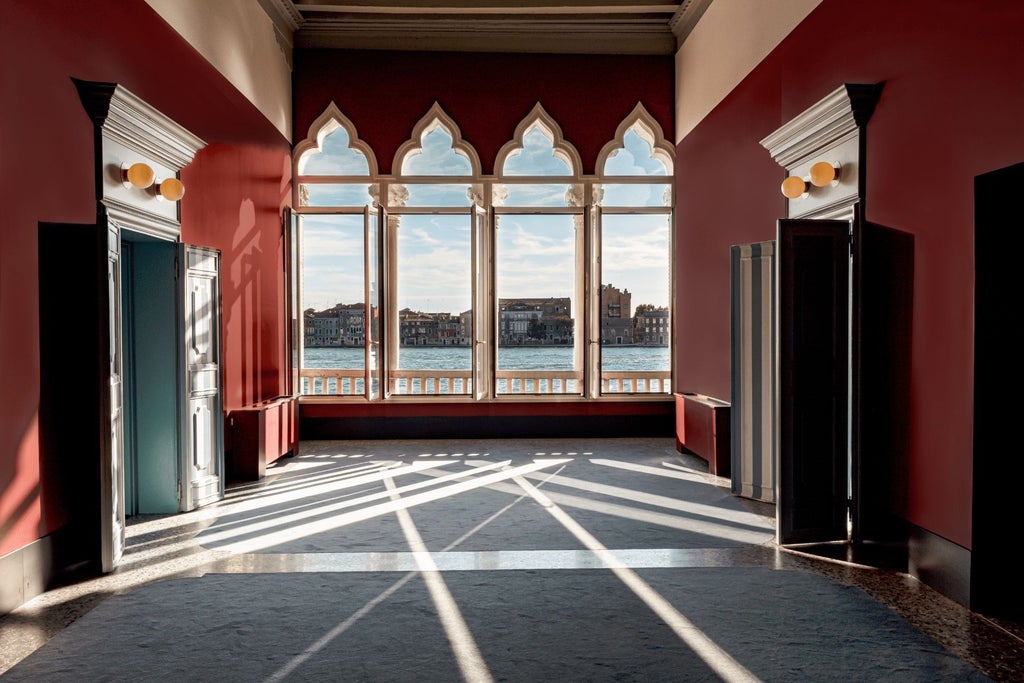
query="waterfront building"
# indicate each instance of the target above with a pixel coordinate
(651, 325)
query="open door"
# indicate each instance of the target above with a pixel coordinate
(112, 527)
(883, 304)
(203, 469)
(481, 295)
(373, 219)
(996, 588)
(813, 382)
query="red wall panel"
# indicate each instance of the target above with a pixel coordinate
(236, 194)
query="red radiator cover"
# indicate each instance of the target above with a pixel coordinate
(702, 428)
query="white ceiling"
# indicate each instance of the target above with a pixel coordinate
(558, 26)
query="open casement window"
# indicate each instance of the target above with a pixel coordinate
(434, 255)
(482, 349)
(633, 247)
(539, 263)
(338, 264)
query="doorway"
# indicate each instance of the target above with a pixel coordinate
(150, 380)
(995, 583)
(845, 311)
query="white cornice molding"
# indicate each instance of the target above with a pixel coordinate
(838, 115)
(138, 220)
(686, 17)
(642, 35)
(138, 126)
(286, 19)
(830, 130)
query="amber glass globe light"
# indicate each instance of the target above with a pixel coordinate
(823, 173)
(140, 175)
(793, 186)
(172, 190)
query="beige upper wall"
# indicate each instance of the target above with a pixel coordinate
(239, 40)
(730, 39)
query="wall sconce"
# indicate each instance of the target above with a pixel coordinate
(820, 174)
(794, 187)
(138, 175)
(824, 173)
(171, 189)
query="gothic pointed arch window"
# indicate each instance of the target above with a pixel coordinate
(538, 281)
(336, 261)
(633, 236)
(539, 236)
(433, 233)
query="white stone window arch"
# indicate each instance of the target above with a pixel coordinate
(332, 166)
(640, 123)
(412, 150)
(561, 149)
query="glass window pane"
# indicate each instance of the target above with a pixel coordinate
(514, 194)
(536, 156)
(336, 194)
(646, 195)
(335, 157)
(537, 300)
(635, 157)
(333, 304)
(450, 194)
(437, 156)
(635, 289)
(373, 323)
(433, 293)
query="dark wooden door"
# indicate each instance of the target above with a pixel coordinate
(883, 302)
(814, 291)
(996, 587)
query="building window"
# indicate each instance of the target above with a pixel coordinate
(439, 281)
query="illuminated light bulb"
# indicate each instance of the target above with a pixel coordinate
(794, 186)
(139, 174)
(172, 190)
(823, 173)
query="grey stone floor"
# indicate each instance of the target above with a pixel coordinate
(555, 559)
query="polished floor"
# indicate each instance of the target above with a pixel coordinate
(556, 560)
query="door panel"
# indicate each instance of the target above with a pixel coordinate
(112, 532)
(813, 281)
(203, 479)
(995, 583)
(883, 302)
(481, 297)
(372, 269)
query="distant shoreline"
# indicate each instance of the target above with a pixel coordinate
(468, 346)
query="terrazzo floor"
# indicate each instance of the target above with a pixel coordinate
(539, 560)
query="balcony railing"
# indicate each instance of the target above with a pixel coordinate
(351, 382)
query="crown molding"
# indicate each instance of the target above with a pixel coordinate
(838, 115)
(579, 29)
(686, 18)
(126, 119)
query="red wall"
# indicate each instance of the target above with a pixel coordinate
(951, 108)
(242, 218)
(46, 174)
(385, 94)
